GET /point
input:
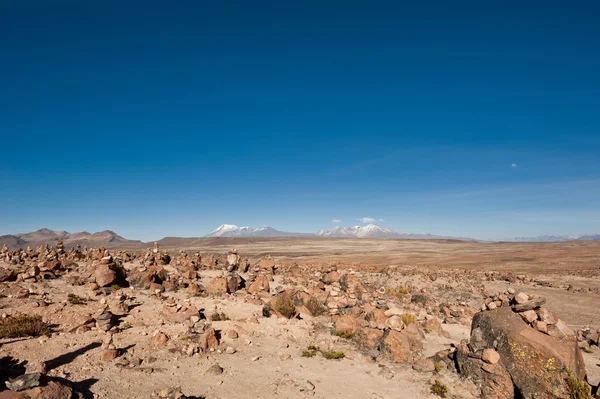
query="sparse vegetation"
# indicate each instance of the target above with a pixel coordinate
(422, 299)
(312, 350)
(315, 307)
(408, 318)
(398, 292)
(345, 334)
(437, 367)
(23, 326)
(332, 355)
(439, 389)
(577, 389)
(286, 307)
(588, 350)
(126, 325)
(308, 353)
(76, 299)
(115, 287)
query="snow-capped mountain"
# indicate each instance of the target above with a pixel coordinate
(375, 231)
(368, 231)
(231, 230)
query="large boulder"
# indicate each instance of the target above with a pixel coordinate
(404, 346)
(538, 364)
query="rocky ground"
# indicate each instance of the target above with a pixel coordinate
(173, 324)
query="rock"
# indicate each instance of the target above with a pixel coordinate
(331, 277)
(260, 284)
(160, 339)
(529, 315)
(105, 276)
(209, 339)
(541, 326)
(168, 393)
(347, 323)
(23, 382)
(110, 354)
(521, 297)
(52, 390)
(215, 369)
(233, 282)
(535, 361)
(395, 323)
(493, 380)
(490, 356)
(424, 366)
(403, 346)
(546, 316)
(6, 275)
(530, 305)
(217, 286)
(560, 330)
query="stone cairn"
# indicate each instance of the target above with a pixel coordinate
(530, 308)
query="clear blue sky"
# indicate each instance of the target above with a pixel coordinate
(170, 118)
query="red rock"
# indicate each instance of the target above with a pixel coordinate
(209, 339)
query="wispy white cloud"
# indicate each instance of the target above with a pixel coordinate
(514, 165)
(381, 220)
(366, 220)
(336, 221)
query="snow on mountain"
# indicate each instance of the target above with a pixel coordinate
(368, 231)
(231, 230)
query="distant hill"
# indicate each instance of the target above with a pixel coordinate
(554, 238)
(105, 238)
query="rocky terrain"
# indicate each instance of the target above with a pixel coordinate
(285, 318)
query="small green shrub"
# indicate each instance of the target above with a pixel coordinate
(577, 389)
(437, 367)
(332, 355)
(76, 299)
(286, 307)
(307, 353)
(344, 334)
(439, 389)
(23, 326)
(422, 299)
(126, 325)
(115, 287)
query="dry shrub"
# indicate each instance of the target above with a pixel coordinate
(398, 292)
(408, 318)
(286, 307)
(315, 307)
(23, 326)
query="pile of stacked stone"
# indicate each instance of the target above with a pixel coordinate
(107, 272)
(60, 248)
(156, 257)
(530, 309)
(518, 349)
(259, 276)
(4, 254)
(230, 281)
